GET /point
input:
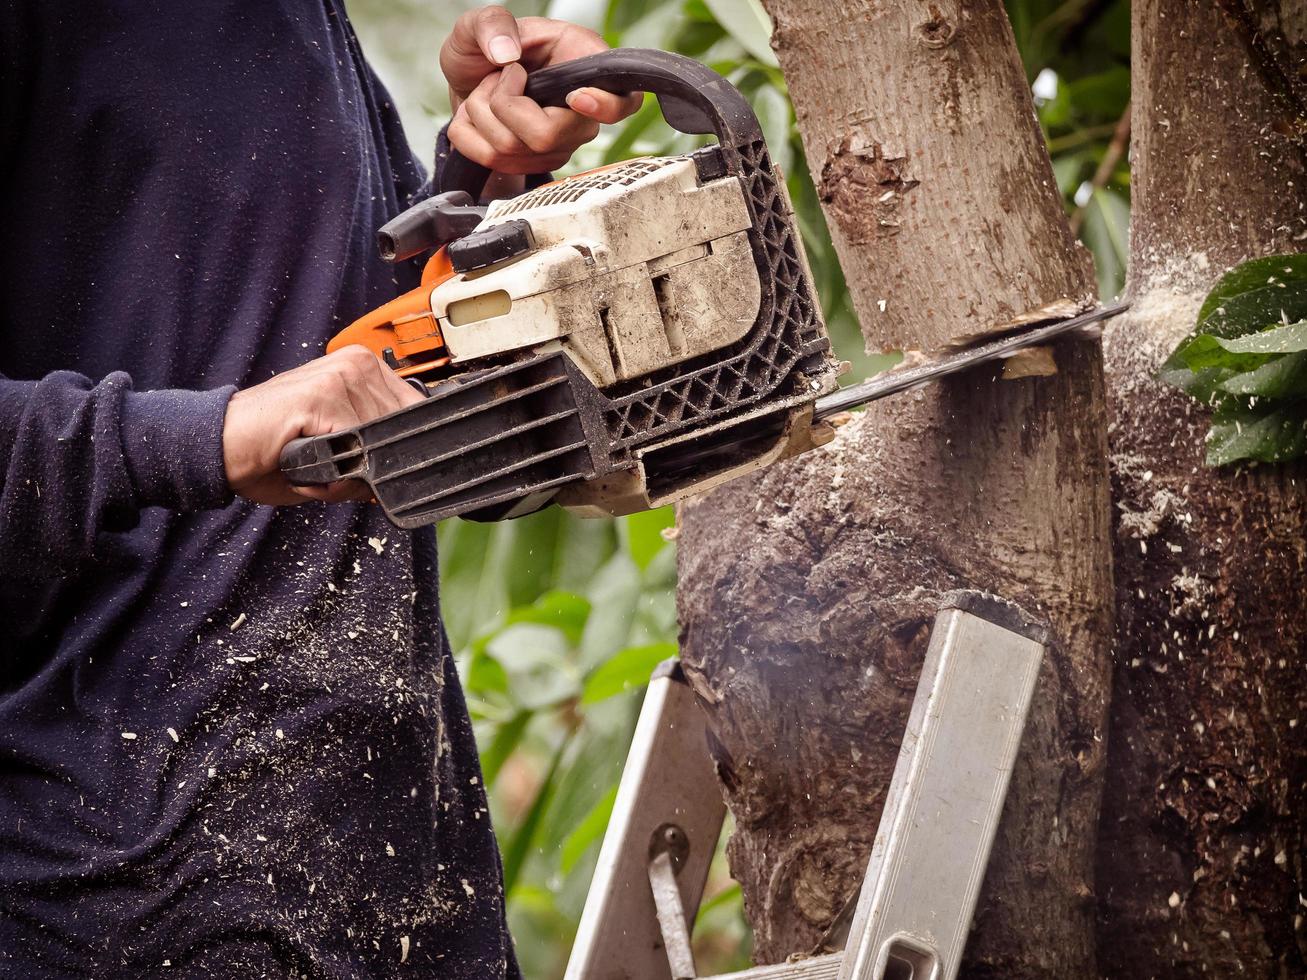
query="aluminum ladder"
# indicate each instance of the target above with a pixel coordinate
(928, 859)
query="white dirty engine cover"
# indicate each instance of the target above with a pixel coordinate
(634, 267)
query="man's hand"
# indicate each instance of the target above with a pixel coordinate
(485, 60)
(335, 392)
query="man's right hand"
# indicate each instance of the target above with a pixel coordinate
(339, 391)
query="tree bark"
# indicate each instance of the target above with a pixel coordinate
(1204, 833)
(807, 592)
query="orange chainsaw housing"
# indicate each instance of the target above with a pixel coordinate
(406, 326)
(404, 331)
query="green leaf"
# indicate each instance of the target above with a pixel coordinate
(643, 534)
(748, 23)
(701, 34)
(1200, 365)
(652, 29)
(1204, 385)
(1057, 111)
(622, 146)
(776, 116)
(1285, 377)
(1071, 169)
(1248, 359)
(1205, 350)
(1255, 294)
(472, 583)
(530, 563)
(1106, 231)
(593, 765)
(1291, 338)
(622, 15)
(626, 670)
(585, 546)
(729, 895)
(589, 830)
(614, 594)
(565, 611)
(1100, 96)
(519, 842)
(535, 898)
(696, 10)
(505, 742)
(1270, 437)
(535, 658)
(1210, 359)
(1111, 34)
(588, 13)
(485, 675)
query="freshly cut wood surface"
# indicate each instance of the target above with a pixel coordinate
(921, 138)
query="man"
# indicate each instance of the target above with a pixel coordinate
(232, 741)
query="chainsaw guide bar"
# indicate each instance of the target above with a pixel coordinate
(895, 380)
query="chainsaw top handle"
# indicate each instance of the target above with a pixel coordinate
(693, 99)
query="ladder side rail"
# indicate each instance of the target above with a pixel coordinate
(668, 782)
(947, 792)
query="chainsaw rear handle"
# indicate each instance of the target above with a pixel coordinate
(693, 99)
(314, 461)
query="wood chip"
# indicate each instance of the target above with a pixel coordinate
(1033, 362)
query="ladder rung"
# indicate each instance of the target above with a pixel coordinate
(813, 968)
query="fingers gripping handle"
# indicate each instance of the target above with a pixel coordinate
(693, 99)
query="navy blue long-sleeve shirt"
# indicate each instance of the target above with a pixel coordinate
(232, 741)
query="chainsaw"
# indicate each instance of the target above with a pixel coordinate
(612, 341)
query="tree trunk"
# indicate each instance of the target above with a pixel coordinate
(1202, 850)
(807, 592)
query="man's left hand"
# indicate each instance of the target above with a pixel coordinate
(485, 60)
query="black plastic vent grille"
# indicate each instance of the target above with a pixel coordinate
(789, 329)
(575, 188)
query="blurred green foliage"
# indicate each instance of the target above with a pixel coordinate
(558, 621)
(1247, 359)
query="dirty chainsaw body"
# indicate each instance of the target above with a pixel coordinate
(612, 341)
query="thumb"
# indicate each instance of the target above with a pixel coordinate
(482, 41)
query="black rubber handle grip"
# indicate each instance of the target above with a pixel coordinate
(693, 99)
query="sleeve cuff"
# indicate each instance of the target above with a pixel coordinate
(172, 441)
